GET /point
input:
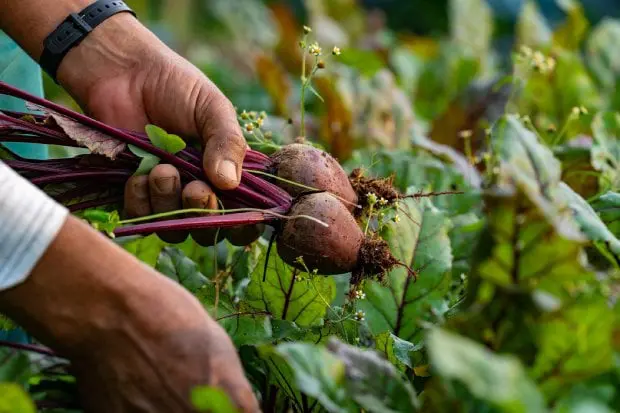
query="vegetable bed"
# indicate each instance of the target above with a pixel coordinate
(420, 225)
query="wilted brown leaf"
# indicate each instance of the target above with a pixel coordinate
(97, 142)
(336, 123)
(275, 80)
(480, 102)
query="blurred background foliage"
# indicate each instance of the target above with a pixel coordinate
(404, 65)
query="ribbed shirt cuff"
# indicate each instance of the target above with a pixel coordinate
(29, 222)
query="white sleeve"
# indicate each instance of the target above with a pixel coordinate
(29, 222)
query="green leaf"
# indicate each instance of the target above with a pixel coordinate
(164, 140)
(318, 373)
(14, 399)
(589, 221)
(14, 366)
(103, 220)
(146, 249)
(421, 241)
(603, 57)
(471, 24)
(302, 301)
(499, 380)
(396, 350)
(315, 93)
(367, 62)
(532, 27)
(531, 239)
(574, 343)
(606, 149)
(174, 264)
(147, 162)
(374, 383)
(571, 33)
(212, 400)
(247, 329)
(607, 206)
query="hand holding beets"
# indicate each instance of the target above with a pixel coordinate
(123, 75)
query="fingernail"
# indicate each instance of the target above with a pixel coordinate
(227, 170)
(165, 185)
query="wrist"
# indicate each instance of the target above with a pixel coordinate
(114, 48)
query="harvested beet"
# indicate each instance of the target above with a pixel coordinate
(337, 249)
(314, 168)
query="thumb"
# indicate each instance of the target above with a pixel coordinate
(225, 145)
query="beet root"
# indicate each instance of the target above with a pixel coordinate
(339, 248)
(313, 168)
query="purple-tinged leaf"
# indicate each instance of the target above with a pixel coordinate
(97, 142)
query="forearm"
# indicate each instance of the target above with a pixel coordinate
(59, 278)
(29, 22)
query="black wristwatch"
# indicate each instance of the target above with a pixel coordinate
(74, 29)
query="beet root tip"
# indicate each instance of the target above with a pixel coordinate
(374, 260)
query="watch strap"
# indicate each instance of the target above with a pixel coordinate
(74, 29)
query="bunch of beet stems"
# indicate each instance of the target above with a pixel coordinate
(91, 175)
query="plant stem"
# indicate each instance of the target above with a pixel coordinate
(95, 203)
(185, 224)
(28, 347)
(70, 176)
(303, 89)
(125, 137)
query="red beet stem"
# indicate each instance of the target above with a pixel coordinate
(102, 127)
(273, 191)
(95, 203)
(212, 221)
(34, 167)
(74, 176)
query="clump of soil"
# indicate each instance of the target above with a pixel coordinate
(374, 260)
(382, 188)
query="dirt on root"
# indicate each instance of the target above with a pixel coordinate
(382, 188)
(374, 260)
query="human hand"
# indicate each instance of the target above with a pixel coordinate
(168, 348)
(137, 341)
(122, 74)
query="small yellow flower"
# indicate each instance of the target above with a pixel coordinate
(262, 115)
(321, 64)
(550, 64)
(372, 198)
(307, 30)
(360, 315)
(336, 51)
(249, 127)
(259, 122)
(359, 294)
(576, 112)
(465, 134)
(315, 49)
(526, 51)
(397, 218)
(244, 115)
